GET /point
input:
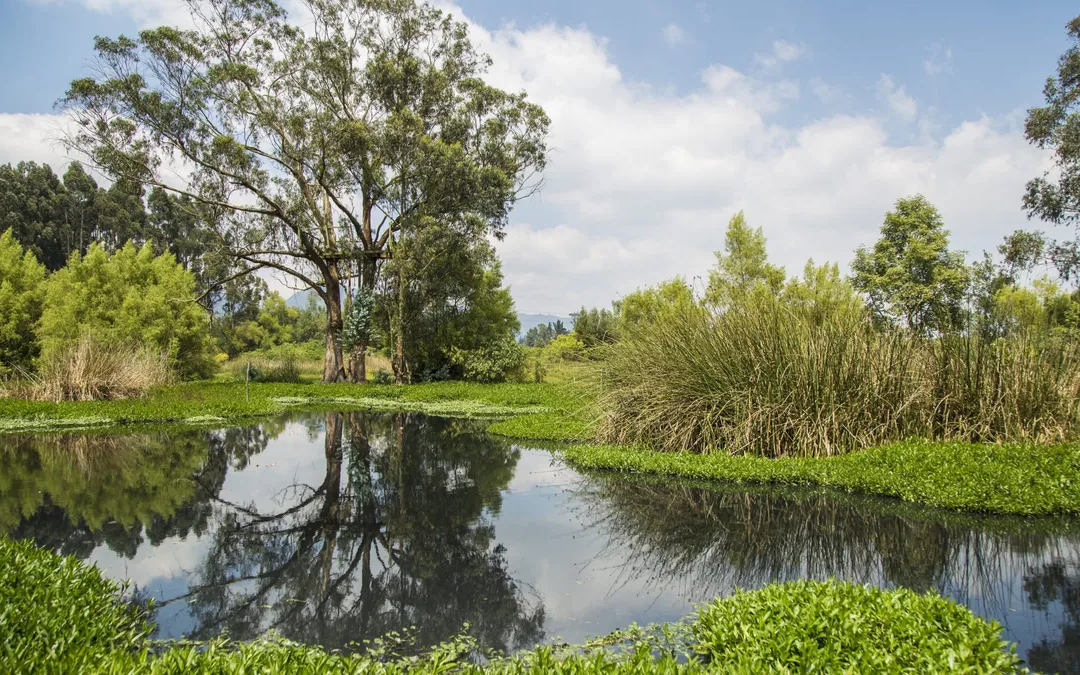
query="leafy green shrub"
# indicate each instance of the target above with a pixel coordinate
(497, 362)
(383, 376)
(61, 616)
(832, 627)
(58, 615)
(131, 296)
(21, 295)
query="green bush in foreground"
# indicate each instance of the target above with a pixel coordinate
(1020, 479)
(833, 627)
(57, 615)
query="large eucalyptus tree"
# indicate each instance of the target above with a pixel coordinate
(316, 143)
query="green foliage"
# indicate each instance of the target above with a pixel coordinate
(822, 294)
(910, 277)
(542, 335)
(743, 268)
(59, 615)
(770, 381)
(359, 321)
(395, 142)
(811, 626)
(643, 307)
(67, 617)
(1021, 479)
(497, 362)
(131, 296)
(1055, 196)
(22, 293)
(595, 327)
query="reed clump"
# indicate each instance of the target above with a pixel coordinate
(90, 370)
(766, 379)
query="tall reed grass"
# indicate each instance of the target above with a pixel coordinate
(766, 379)
(89, 370)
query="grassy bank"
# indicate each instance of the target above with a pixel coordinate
(1019, 479)
(58, 615)
(217, 402)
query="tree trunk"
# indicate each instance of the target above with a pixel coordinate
(399, 339)
(333, 362)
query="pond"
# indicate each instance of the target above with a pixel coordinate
(335, 528)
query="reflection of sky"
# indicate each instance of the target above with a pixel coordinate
(585, 580)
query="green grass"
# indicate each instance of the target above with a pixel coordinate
(58, 615)
(1019, 479)
(206, 402)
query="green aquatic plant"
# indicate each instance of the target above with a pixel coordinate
(1019, 479)
(60, 616)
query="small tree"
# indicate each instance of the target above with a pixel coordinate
(742, 267)
(130, 296)
(595, 326)
(645, 306)
(910, 277)
(21, 295)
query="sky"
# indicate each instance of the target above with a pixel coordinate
(669, 117)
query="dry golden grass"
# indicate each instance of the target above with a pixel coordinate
(89, 370)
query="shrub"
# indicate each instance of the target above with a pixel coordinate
(765, 379)
(832, 627)
(61, 616)
(58, 615)
(499, 361)
(21, 294)
(88, 370)
(131, 296)
(383, 376)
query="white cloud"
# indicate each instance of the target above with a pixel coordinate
(674, 35)
(33, 138)
(939, 61)
(642, 181)
(898, 101)
(782, 52)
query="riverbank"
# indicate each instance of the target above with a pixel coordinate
(63, 616)
(225, 402)
(1015, 479)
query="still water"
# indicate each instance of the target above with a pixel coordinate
(334, 528)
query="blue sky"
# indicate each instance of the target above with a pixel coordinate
(813, 117)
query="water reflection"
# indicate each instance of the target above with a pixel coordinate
(335, 528)
(712, 539)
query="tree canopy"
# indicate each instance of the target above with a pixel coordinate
(742, 267)
(317, 152)
(22, 292)
(911, 277)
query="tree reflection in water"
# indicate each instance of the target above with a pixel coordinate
(394, 536)
(710, 539)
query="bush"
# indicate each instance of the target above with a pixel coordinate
(131, 296)
(58, 615)
(497, 362)
(832, 627)
(21, 295)
(383, 376)
(88, 370)
(767, 380)
(61, 616)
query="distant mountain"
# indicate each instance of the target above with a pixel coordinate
(299, 299)
(532, 320)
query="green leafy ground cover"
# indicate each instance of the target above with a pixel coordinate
(1020, 479)
(58, 615)
(215, 402)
